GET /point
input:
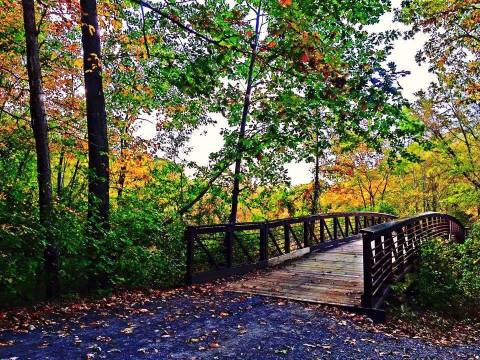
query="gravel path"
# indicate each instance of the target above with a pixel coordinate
(215, 325)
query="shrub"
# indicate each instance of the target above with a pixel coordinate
(137, 251)
(448, 279)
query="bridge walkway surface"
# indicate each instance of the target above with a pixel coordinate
(334, 276)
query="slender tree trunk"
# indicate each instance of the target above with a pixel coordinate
(316, 182)
(360, 187)
(71, 183)
(121, 181)
(98, 163)
(243, 123)
(123, 172)
(60, 173)
(40, 131)
(123, 169)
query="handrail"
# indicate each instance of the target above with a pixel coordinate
(295, 218)
(405, 221)
(219, 250)
(390, 249)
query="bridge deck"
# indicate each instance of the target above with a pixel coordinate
(334, 276)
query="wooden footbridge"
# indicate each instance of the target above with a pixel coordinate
(345, 259)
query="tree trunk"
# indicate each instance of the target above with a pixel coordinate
(71, 183)
(98, 184)
(123, 172)
(98, 174)
(60, 172)
(243, 123)
(40, 131)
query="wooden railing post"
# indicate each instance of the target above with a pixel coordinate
(286, 234)
(367, 269)
(306, 232)
(188, 236)
(347, 222)
(335, 228)
(322, 230)
(264, 242)
(357, 224)
(388, 251)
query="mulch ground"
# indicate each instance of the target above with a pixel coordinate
(207, 322)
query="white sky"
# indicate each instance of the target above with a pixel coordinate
(206, 141)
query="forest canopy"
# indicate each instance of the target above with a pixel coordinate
(99, 103)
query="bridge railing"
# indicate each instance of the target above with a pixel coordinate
(215, 251)
(389, 250)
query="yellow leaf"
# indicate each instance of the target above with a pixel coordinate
(91, 29)
(78, 63)
(117, 24)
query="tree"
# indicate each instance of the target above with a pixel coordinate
(450, 107)
(40, 131)
(453, 129)
(453, 46)
(245, 111)
(98, 156)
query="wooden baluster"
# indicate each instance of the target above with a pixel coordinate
(396, 247)
(322, 230)
(335, 228)
(367, 269)
(408, 246)
(388, 244)
(427, 229)
(286, 233)
(306, 233)
(347, 221)
(414, 231)
(379, 248)
(357, 224)
(264, 242)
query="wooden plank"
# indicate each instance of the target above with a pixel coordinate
(331, 277)
(289, 256)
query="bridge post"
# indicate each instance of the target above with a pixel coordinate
(367, 269)
(286, 234)
(322, 230)
(357, 224)
(306, 233)
(263, 242)
(402, 249)
(335, 228)
(347, 222)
